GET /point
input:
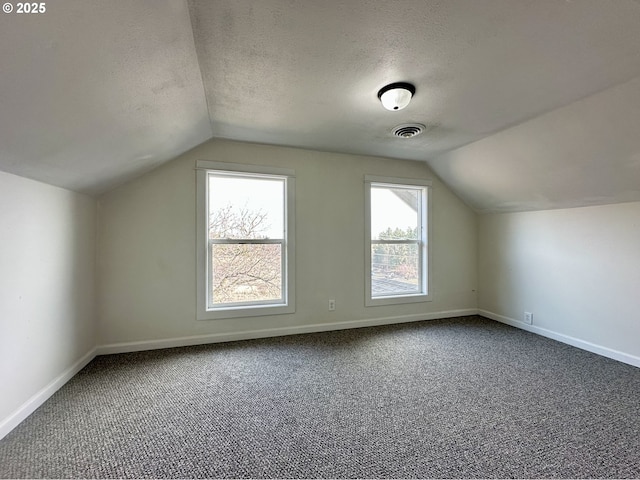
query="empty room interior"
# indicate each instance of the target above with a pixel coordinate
(305, 239)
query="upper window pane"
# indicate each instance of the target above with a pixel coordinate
(395, 213)
(243, 207)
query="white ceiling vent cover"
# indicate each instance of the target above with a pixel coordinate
(408, 130)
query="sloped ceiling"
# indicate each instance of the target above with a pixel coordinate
(529, 104)
(95, 92)
(587, 153)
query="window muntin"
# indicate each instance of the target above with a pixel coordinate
(397, 254)
(246, 257)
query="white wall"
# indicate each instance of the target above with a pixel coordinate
(47, 268)
(146, 249)
(577, 270)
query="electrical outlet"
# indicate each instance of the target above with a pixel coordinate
(528, 318)
(332, 305)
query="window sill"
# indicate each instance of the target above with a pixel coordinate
(244, 311)
(396, 300)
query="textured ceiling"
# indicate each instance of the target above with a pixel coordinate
(307, 73)
(530, 104)
(94, 92)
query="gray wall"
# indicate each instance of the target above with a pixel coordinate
(147, 248)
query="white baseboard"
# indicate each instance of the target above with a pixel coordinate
(127, 347)
(27, 408)
(560, 337)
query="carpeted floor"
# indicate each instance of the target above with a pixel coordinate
(464, 397)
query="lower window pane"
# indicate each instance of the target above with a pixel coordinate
(395, 269)
(246, 273)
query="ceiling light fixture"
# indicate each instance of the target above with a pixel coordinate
(396, 96)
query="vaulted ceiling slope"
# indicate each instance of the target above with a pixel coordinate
(529, 104)
(95, 92)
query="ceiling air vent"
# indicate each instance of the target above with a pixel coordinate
(408, 130)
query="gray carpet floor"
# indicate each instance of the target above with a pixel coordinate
(465, 397)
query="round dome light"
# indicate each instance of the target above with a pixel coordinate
(396, 96)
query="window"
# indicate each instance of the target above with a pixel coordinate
(245, 240)
(397, 259)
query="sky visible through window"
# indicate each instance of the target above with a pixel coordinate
(267, 195)
(389, 211)
(256, 195)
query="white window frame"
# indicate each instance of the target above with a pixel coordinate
(424, 295)
(203, 267)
